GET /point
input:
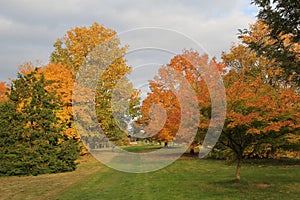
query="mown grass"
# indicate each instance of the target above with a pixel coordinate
(187, 178)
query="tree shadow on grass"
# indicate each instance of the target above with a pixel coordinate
(273, 162)
(231, 183)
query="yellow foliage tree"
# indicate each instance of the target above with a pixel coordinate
(73, 48)
(62, 84)
(79, 44)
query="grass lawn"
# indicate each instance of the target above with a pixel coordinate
(187, 178)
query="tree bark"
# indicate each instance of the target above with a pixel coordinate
(238, 170)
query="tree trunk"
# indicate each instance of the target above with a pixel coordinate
(166, 144)
(192, 151)
(238, 170)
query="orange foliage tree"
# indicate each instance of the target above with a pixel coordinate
(259, 115)
(164, 92)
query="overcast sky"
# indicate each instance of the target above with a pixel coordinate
(28, 28)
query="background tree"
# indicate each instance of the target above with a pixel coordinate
(282, 18)
(36, 145)
(190, 66)
(162, 125)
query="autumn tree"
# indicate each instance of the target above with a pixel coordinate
(31, 139)
(76, 48)
(161, 122)
(165, 90)
(67, 58)
(273, 73)
(259, 115)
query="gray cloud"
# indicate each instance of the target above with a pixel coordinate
(29, 28)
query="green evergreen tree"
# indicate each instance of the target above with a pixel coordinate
(31, 141)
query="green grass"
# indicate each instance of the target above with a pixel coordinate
(187, 178)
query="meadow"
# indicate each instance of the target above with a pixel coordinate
(187, 178)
